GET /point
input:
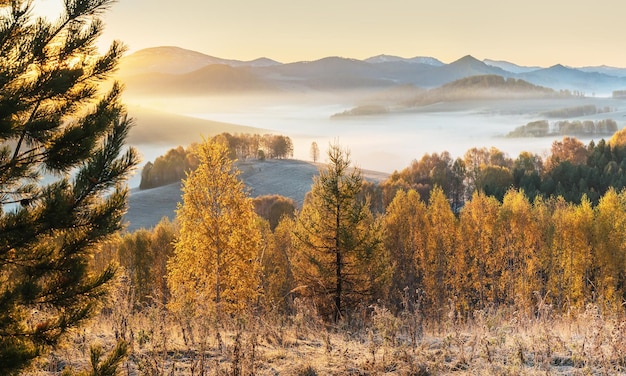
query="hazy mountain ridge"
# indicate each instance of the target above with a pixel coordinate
(484, 87)
(414, 60)
(176, 60)
(162, 70)
(510, 67)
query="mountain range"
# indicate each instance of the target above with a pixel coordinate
(173, 70)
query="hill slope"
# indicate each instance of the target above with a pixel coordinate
(289, 178)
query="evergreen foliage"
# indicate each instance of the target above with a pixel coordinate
(339, 245)
(51, 125)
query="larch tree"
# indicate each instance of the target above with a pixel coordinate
(476, 262)
(278, 280)
(55, 122)
(405, 234)
(519, 243)
(440, 246)
(338, 243)
(609, 269)
(215, 267)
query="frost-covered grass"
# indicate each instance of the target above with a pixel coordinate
(491, 343)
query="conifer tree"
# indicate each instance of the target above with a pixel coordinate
(52, 124)
(609, 254)
(519, 245)
(339, 245)
(215, 267)
(476, 264)
(438, 257)
(405, 240)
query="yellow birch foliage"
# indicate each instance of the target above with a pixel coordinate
(476, 260)
(405, 240)
(215, 268)
(571, 253)
(610, 248)
(278, 279)
(519, 244)
(440, 247)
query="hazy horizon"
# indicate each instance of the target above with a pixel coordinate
(530, 33)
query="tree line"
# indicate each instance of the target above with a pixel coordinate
(572, 170)
(175, 163)
(542, 128)
(512, 253)
(220, 260)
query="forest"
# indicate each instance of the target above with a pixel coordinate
(504, 222)
(401, 251)
(480, 264)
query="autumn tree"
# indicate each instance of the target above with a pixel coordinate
(476, 261)
(519, 241)
(339, 254)
(134, 252)
(440, 247)
(215, 266)
(570, 150)
(143, 255)
(405, 234)
(609, 267)
(278, 278)
(571, 253)
(315, 152)
(273, 208)
(52, 123)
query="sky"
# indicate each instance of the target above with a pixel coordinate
(526, 32)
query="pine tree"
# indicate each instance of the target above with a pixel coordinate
(215, 267)
(338, 252)
(52, 124)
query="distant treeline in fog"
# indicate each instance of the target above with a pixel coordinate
(572, 171)
(172, 166)
(577, 111)
(542, 128)
(481, 87)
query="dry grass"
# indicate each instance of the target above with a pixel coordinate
(492, 343)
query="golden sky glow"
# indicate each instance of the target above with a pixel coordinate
(526, 32)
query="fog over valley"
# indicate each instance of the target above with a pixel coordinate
(387, 110)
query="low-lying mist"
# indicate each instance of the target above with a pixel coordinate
(385, 142)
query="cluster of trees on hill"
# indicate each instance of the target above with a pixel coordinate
(542, 128)
(173, 166)
(572, 170)
(577, 111)
(484, 87)
(515, 253)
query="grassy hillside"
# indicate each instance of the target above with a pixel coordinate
(289, 178)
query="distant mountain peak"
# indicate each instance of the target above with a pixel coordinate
(560, 66)
(378, 59)
(467, 59)
(384, 59)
